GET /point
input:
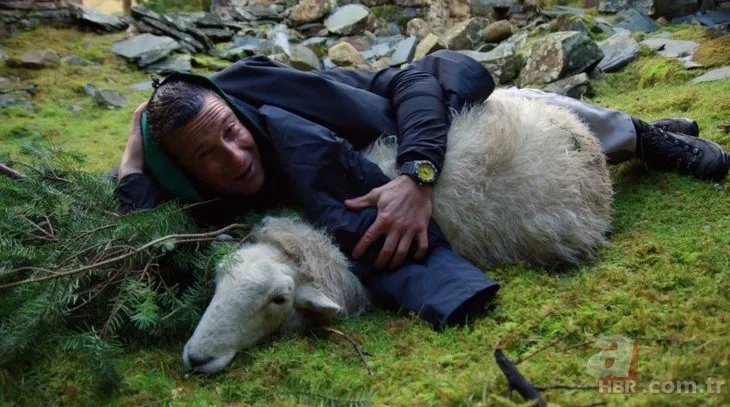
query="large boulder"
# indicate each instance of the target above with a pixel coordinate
(308, 11)
(36, 59)
(465, 34)
(675, 8)
(559, 55)
(498, 31)
(348, 20)
(145, 49)
(575, 86)
(633, 21)
(614, 6)
(90, 18)
(619, 50)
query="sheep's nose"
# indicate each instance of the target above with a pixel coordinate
(198, 361)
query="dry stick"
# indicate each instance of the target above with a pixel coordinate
(549, 345)
(124, 256)
(9, 172)
(516, 380)
(354, 344)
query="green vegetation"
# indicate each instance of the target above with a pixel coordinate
(663, 280)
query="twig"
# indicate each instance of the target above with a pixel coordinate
(45, 232)
(549, 345)
(126, 255)
(516, 380)
(354, 344)
(566, 387)
(50, 227)
(9, 172)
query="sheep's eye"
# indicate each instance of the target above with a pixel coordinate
(278, 300)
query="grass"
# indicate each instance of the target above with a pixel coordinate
(663, 280)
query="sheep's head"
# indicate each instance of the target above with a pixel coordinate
(257, 294)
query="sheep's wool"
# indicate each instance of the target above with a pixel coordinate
(522, 181)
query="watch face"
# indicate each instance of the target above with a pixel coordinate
(425, 172)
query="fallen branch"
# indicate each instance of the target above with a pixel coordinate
(516, 380)
(9, 172)
(360, 353)
(548, 346)
(182, 237)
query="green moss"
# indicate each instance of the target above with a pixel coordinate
(386, 12)
(714, 52)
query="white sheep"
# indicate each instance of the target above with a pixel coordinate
(521, 181)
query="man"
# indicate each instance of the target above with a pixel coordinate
(260, 133)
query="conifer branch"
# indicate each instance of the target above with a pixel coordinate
(180, 237)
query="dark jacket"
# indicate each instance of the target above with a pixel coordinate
(310, 126)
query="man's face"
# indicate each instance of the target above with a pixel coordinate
(219, 151)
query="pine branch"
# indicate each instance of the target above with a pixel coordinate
(192, 237)
(9, 172)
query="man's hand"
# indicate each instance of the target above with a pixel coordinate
(404, 211)
(133, 157)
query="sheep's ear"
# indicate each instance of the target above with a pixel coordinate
(311, 299)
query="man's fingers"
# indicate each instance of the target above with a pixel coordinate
(402, 252)
(369, 199)
(422, 246)
(386, 253)
(372, 234)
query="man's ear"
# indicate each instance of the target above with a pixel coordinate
(309, 298)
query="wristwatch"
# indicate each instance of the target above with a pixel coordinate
(421, 171)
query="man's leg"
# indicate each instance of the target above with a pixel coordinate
(624, 137)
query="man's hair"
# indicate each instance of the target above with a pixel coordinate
(172, 106)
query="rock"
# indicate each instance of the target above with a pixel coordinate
(218, 34)
(77, 61)
(3, 55)
(88, 17)
(619, 50)
(174, 63)
(328, 64)
(502, 62)
(602, 26)
(74, 108)
(559, 55)
(465, 34)
(348, 20)
(344, 54)
(662, 21)
(223, 8)
(273, 12)
(713, 75)
(498, 31)
(568, 22)
(682, 50)
(141, 86)
(575, 86)
(89, 89)
(675, 8)
(488, 8)
(360, 42)
(7, 100)
(716, 31)
(614, 6)
(145, 49)
(376, 51)
(252, 45)
(308, 11)
(633, 21)
(418, 27)
(304, 59)
(708, 18)
(36, 59)
(109, 99)
(430, 44)
(404, 52)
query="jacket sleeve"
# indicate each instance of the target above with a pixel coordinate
(137, 192)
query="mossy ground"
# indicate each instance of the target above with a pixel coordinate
(663, 280)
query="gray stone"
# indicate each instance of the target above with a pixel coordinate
(77, 61)
(145, 49)
(671, 48)
(568, 22)
(615, 6)
(308, 11)
(376, 51)
(141, 86)
(210, 20)
(619, 50)
(502, 62)
(109, 99)
(602, 26)
(173, 63)
(89, 89)
(328, 64)
(465, 34)
(486, 8)
(633, 20)
(348, 20)
(36, 59)
(716, 31)
(559, 55)
(575, 86)
(3, 55)
(218, 34)
(498, 31)
(675, 8)
(7, 100)
(223, 8)
(266, 12)
(303, 58)
(430, 44)
(95, 20)
(404, 52)
(74, 108)
(713, 75)
(190, 43)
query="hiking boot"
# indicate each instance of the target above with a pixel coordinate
(679, 125)
(666, 151)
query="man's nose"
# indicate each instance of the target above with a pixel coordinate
(236, 155)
